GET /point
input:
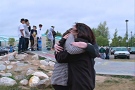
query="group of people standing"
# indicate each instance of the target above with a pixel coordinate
(25, 34)
(104, 52)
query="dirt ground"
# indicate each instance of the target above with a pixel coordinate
(115, 83)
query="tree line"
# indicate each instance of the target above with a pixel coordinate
(103, 37)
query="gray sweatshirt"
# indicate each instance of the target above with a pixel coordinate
(27, 33)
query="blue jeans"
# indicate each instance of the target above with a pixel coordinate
(102, 55)
(21, 46)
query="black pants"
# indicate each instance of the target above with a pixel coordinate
(37, 43)
(32, 43)
(59, 87)
(26, 43)
(53, 43)
(21, 46)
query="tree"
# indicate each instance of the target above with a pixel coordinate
(46, 32)
(11, 41)
(103, 30)
(132, 41)
(102, 41)
(115, 41)
(58, 33)
(102, 34)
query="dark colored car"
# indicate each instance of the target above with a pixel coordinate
(132, 50)
(3, 52)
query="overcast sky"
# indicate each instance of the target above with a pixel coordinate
(63, 13)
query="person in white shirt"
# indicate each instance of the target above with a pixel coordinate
(27, 34)
(21, 34)
(39, 34)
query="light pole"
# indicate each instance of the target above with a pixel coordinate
(127, 31)
(131, 38)
(127, 43)
(120, 43)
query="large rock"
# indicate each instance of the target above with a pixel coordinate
(19, 77)
(30, 72)
(21, 64)
(45, 82)
(13, 63)
(6, 74)
(21, 57)
(35, 62)
(24, 82)
(7, 81)
(18, 69)
(24, 88)
(2, 62)
(11, 57)
(43, 62)
(50, 73)
(2, 67)
(51, 63)
(43, 67)
(35, 57)
(9, 67)
(40, 75)
(34, 80)
(7, 62)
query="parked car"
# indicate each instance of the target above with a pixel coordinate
(132, 50)
(3, 52)
(121, 52)
(113, 50)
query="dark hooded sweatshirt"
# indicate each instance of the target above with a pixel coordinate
(81, 72)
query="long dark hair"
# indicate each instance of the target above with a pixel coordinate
(68, 31)
(85, 32)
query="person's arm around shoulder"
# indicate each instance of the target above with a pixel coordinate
(87, 47)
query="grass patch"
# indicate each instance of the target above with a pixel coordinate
(45, 71)
(15, 87)
(118, 76)
(28, 77)
(12, 77)
(42, 58)
(111, 81)
(123, 77)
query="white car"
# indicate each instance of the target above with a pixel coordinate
(121, 52)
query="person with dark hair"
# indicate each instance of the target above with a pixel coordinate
(27, 34)
(21, 34)
(39, 34)
(33, 35)
(81, 72)
(107, 51)
(54, 34)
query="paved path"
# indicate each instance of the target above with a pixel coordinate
(101, 66)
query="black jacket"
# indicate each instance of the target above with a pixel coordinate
(81, 73)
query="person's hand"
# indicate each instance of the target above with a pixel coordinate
(58, 48)
(66, 36)
(79, 44)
